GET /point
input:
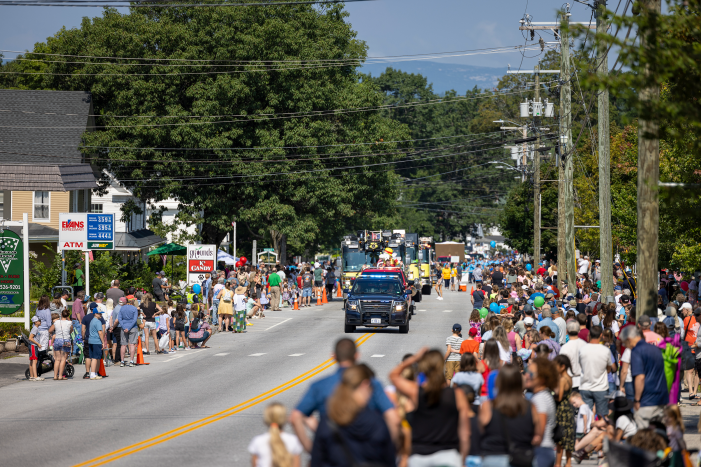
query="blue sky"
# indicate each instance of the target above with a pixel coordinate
(390, 27)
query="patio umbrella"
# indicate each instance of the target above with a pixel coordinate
(169, 249)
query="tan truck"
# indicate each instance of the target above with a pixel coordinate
(447, 252)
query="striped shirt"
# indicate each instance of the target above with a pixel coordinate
(454, 343)
(544, 403)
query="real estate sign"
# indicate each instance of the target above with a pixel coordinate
(201, 259)
(11, 272)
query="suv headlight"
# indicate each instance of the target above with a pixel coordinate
(399, 306)
(352, 305)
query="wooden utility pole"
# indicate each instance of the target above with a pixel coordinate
(606, 248)
(648, 178)
(536, 174)
(568, 150)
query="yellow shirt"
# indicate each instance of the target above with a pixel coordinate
(446, 273)
(454, 272)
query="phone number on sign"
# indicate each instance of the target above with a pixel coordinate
(9, 287)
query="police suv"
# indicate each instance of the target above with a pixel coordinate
(378, 300)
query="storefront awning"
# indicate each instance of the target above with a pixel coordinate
(136, 241)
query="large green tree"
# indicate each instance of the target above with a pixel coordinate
(241, 85)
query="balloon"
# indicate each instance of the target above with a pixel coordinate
(529, 267)
(197, 288)
(685, 286)
(493, 244)
(483, 313)
(238, 264)
(494, 307)
(243, 260)
(538, 302)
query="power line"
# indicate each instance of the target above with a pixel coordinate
(276, 116)
(234, 63)
(357, 62)
(58, 3)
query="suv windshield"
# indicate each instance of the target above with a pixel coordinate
(377, 287)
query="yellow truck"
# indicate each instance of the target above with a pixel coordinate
(363, 250)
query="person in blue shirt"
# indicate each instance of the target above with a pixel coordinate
(314, 400)
(548, 321)
(649, 381)
(126, 320)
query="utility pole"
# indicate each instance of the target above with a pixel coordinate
(648, 178)
(605, 242)
(536, 174)
(568, 180)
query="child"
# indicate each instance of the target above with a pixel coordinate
(34, 350)
(469, 374)
(286, 295)
(584, 415)
(275, 447)
(180, 325)
(264, 300)
(675, 428)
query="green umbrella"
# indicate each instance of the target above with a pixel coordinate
(169, 249)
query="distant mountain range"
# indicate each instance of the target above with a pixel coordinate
(445, 76)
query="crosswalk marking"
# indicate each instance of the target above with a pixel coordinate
(422, 310)
(376, 356)
(296, 355)
(256, 354)
(221, 354)
(447, 311)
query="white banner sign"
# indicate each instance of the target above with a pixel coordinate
(73, 231)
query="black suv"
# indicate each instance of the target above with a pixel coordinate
(377, 301)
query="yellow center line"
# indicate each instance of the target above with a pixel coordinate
(112, 456)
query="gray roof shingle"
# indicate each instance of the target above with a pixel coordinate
(47, 177)
(42, 127)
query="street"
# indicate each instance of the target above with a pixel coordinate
(201, 405)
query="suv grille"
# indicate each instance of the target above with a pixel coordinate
(371, 306)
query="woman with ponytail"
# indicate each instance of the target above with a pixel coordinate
(275, 448)
(350, 433)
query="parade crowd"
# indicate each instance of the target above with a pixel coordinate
(536, 376)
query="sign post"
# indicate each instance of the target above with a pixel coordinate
(14, 271)
(201, 259)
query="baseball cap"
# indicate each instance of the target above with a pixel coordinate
(99, 296)
(93, 305)
(549, 295)
(473, 332)
(618, 287)
(644, 320)
(457, 327)
(122, 300)
(573, 303)
(686, 306)
(35, 319)
(625, 299)
(188, 306)
(528, 321)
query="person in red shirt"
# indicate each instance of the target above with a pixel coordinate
(541, 270)
(690, 331)
(470, 344)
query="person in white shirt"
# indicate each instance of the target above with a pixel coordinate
(571, 349)
(596, 363)
(287, 448)
(584, 265)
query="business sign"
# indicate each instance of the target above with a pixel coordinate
(11, 272)
(85, 231)
(100, 232)
(201, 259)
(73, 231)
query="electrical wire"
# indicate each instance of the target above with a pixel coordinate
(275, 116)
(57, 3)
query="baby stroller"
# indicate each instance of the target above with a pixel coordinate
(45, 361)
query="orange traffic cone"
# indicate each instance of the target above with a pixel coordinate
(339, 290)
(296, 305)
(102, 371)
(318, 299)
(323, 296)
(140, 354)
(472, 290)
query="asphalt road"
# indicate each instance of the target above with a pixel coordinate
(199, 406)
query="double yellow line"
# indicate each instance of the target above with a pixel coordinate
(167, 436)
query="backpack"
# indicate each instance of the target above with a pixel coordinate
(226, 296)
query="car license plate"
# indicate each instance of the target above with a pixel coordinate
(375, 320)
